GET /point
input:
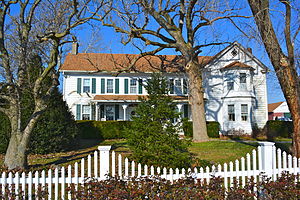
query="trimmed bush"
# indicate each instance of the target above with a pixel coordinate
(276, 128)
(213, 128)
(89, 129)
(55, 130)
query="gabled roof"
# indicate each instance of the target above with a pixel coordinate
(273, 106)
(103, 62)
(237, 64)
(222, 52)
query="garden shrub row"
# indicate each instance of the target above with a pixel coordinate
(89, 129)
(213, 128)
(102, 130)
(275, 128)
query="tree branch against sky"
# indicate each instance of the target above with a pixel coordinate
(282, 44)
(27, 29)
(175, 25)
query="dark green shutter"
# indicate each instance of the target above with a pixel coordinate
(140, 86)
(117, 85)
(78, 85)
(171, 81)
(78, 112)
(186, 110)
(185, 86)
(126, 86)
(116, 112)
(93, 112)
(101, 111)
(93, 85)
(102, 86)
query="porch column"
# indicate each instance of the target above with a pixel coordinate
(179, 107)
(96, 113)
(124, 106)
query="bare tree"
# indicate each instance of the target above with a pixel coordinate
(174, 25)
(282, 54)
(38, 27)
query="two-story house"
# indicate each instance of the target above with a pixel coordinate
(99, 86)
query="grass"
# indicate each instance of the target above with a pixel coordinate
(206, 153)
(219, 152)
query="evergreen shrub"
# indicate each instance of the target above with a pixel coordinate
(213, 128)
(89, 129)
(153, 136)
(55, 130)
(275, 128)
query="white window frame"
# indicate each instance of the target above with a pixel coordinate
(88, 114)
(243, 85)
(133, 87)
(230, 88)
(244, 113)
(178, 88)
(110, 89)
(231, 115)
(88, 86)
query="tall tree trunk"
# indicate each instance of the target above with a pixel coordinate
(197, 101)
(15, 156)
(284, 65)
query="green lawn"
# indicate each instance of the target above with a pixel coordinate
(205, 153)
(219, 152)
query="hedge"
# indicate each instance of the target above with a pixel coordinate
(89, 129)
(275, 128)
(213, 128)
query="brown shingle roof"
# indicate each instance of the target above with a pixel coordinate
(237, 65)
(273, 106)
(131, 97)
(98, 62)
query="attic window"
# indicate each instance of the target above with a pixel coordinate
(234, 52)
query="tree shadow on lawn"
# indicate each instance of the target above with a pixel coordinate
(78, 156)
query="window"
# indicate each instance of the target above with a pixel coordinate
(234, 52)
(244, 112)
(133, 85)
(230, 85)
(231, 113)
(86, 85)
(110, 86)
(177, 88)
(243, 81)
(86, 112)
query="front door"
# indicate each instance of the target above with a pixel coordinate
(110, 112)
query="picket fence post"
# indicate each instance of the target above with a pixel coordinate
(104, 161)
(267, 157)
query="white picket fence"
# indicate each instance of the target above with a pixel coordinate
(266, 160)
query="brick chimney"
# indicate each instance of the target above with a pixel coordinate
(75, 48)
(249, 50)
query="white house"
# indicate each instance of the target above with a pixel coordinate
(279, 111)
(100, 86)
